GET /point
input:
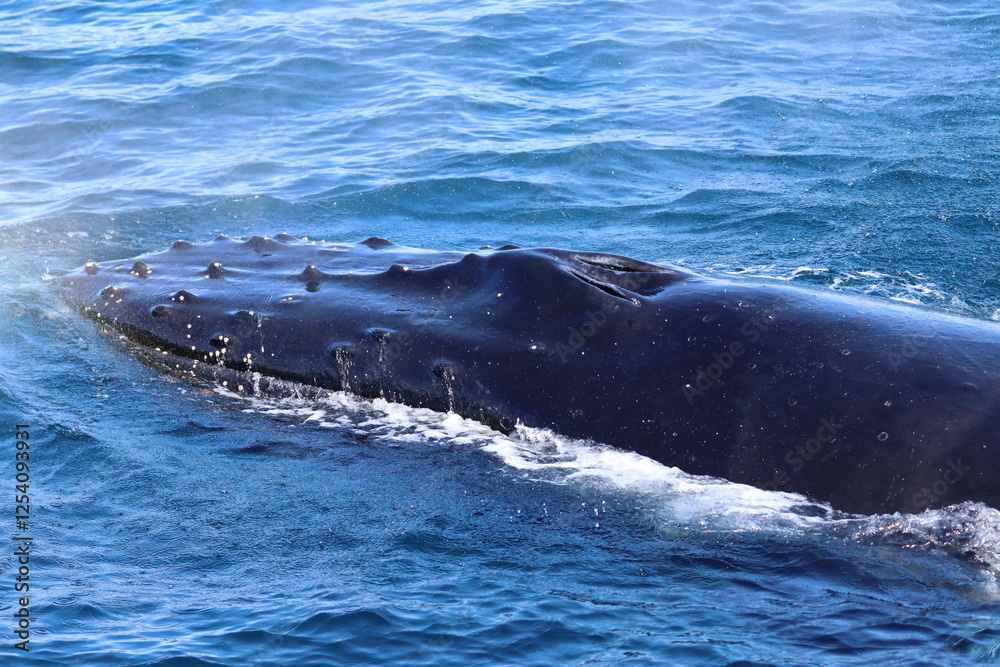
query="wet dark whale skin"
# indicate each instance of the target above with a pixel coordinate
(870, 406)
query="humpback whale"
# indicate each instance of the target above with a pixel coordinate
(868, 405)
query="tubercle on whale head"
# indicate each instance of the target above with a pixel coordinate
(148, 290)
(190, 297)
(522, 283)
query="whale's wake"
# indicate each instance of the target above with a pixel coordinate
(676, 504)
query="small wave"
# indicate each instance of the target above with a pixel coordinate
(674, 496)
(971, 530)
(905, 287)
(674, 502)
(968, 533)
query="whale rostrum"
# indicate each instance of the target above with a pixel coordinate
(865, 404)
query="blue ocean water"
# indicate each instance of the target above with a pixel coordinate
(845, 144)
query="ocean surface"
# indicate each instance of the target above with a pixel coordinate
(845, 144)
